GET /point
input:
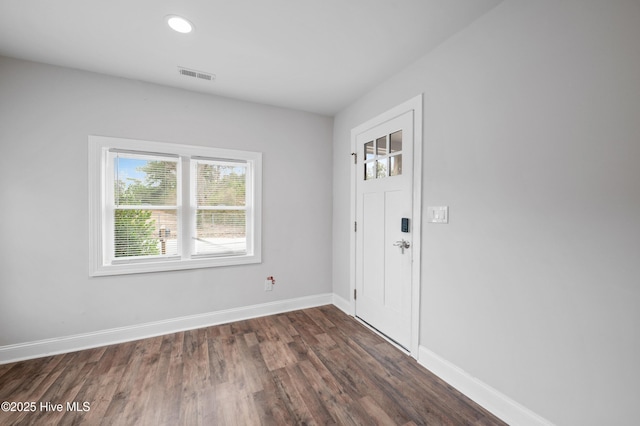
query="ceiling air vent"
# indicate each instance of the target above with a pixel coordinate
(196, 74)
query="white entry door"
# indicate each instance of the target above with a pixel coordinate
(384, 195)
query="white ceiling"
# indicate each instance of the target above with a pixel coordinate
(312, 55)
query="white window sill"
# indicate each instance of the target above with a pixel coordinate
(176, 264)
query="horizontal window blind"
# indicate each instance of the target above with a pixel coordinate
(221, 213)
(145, 204)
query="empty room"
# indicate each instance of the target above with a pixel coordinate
(420, 212)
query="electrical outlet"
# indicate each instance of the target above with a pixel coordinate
(269, 283)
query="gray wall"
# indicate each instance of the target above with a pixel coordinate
(532, 137)
(46, 114)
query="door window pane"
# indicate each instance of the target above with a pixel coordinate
(381, 145)
(396, 141)
(381, 168)
(395, 165)
(368, 151)
(370, 170)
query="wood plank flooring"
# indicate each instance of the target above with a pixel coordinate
(308, 367)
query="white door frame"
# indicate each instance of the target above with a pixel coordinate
(415, 105)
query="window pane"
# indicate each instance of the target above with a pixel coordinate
(396, 141)
(381, 168)
(395, 165)
(370, 170)
(140, 181)
(382, 145)
(368, 150)
(221, 185)
(220, 232)
(140, 232)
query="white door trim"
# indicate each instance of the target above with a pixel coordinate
(414, 104)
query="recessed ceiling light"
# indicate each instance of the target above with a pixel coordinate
(179, 24)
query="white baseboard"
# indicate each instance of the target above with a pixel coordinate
(343, 304)
(490, 399)
(37, 349)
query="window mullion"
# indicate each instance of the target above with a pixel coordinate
(187, 213)
(108, 211)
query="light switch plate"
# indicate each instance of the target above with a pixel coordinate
(438, 214)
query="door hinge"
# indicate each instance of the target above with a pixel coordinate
(355, 157)
(355, 226)
(355, 294)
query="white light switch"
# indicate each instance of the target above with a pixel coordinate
(438, 214)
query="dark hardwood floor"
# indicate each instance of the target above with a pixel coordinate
(313, 366)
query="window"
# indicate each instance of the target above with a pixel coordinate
(221, 207)
(158, 206)
(380, 162)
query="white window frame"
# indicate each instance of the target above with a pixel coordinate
(100, 189)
